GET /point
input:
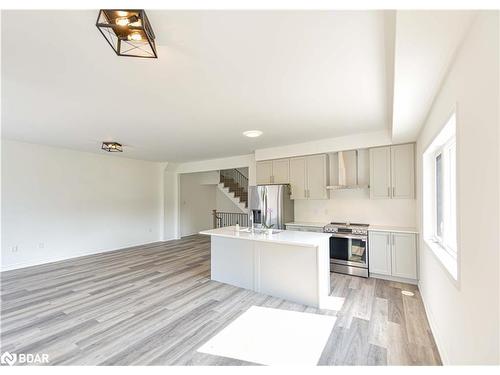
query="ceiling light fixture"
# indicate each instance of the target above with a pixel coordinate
(252, 133)
(134, 36)
(112, 147)
(407, 293)
(123, 21)
(128, 32)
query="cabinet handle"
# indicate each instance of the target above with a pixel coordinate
(393, 191)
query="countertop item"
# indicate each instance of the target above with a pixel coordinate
(307, 224)
(388, 228)
(312, 239)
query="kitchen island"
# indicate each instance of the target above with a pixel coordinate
(286, 264)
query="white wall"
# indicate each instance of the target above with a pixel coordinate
(224, 204)
(172, 180)
(59, 204)
(197, 200)
(240, 161)
(356, 206)
(171, 222)
(199, 195)
(465, 315)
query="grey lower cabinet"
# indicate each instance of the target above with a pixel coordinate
(393, 254)
(379, 260)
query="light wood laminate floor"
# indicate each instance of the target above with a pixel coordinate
(155, 305)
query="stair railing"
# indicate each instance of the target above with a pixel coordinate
(236, 176)
(226, 219)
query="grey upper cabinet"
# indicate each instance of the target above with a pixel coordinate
(392, 172)
(403, 171)
(380, 172)
(281, 171)
(298, 178)
(273, 171)
(264, 172)
(316, 177)
(308, 177)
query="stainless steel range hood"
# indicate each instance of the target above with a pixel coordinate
(345, 173)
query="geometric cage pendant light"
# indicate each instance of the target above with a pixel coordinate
(128, 32)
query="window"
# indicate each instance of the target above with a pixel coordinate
(445, 201)
(439, 196)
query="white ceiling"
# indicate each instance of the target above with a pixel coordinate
(296, 75)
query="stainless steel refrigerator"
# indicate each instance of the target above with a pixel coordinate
(270, 205)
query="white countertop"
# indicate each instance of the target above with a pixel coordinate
(388, 228)
(308, 224)
(310, 239)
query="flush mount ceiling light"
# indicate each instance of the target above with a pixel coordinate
(112, 147)
(252, 133)
(128, 32)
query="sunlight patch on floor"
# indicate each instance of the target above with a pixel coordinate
(273, 337)
(331, 303)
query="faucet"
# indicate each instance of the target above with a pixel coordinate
(251, 222)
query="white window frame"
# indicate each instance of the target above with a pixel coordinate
(446, 241)
(444, 247)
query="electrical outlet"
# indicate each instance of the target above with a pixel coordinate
(14, 249)
(41, 245)
(150, 230)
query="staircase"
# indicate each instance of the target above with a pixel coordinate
(235, 185)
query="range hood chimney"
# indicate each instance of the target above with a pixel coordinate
(347, 171)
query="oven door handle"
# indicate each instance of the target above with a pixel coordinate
(352, 236)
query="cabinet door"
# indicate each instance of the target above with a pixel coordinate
(298, 178)
(404, 255)
(403, 171)
(316, 177)
(281, 169)
(264, 172)
(379, 253)
(380, 173)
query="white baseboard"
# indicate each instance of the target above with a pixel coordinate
(39, 262)
(394, 278)
(432, 324)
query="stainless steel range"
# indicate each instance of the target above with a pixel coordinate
(348, 248)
